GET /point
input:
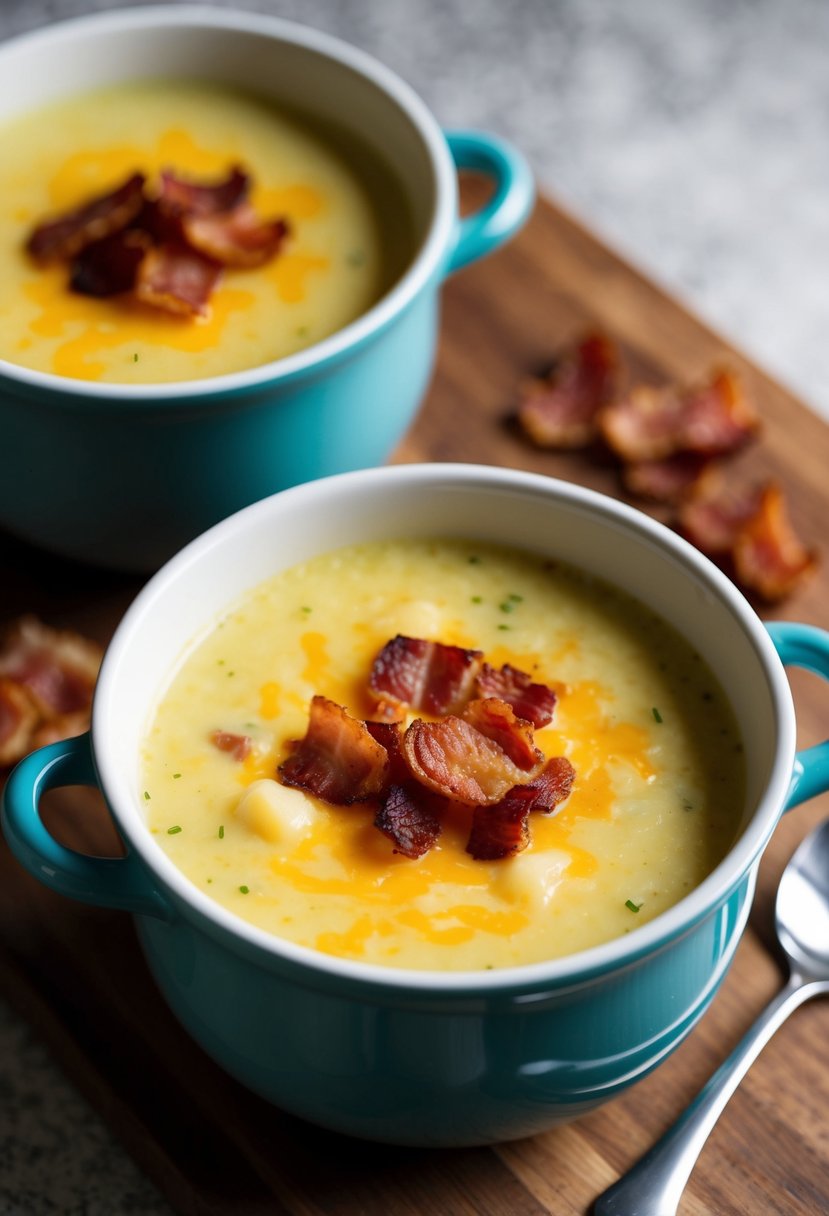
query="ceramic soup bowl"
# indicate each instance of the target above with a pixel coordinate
(122, 475)
(410, 1056)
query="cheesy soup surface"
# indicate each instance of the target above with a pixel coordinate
(656, 802)
(349, 232)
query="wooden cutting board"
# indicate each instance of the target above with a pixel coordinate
(76, 972)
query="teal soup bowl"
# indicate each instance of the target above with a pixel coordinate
(122, 475)
(403, 1055)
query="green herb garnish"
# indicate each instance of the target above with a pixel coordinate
(245, 890)
(172, 831)
(221, 831)
(657, 717)
(503, 628)
(176, 776)
(147, 795)
(476, 599)
(632, 906)
(507, 606)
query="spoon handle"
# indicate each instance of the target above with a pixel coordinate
(654, 1186)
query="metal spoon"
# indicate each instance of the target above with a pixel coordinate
(655, 1184)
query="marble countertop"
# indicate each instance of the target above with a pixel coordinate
(691, 137)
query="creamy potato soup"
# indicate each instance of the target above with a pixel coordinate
(349, 236)
(655, 803)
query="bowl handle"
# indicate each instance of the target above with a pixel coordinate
(805, 646)
(481, 233)
(113, 882)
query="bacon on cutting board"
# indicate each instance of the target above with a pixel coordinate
(560, 410)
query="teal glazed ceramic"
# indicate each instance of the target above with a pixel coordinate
(417, 1057)
(123, 476)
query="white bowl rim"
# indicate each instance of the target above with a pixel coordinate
(556, 973)
(426, 263)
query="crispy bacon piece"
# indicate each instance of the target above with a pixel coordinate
(61, 237)
(109, 266)
(552, 785)
(183, 196)
(652, 423)
(429, 676)
(407, 815)
(177, 280)
(769, 557)
(239, 746)
(235, 238)
(337, 760)
(457, 761)
(560, 411)
(18, 720)
(713, 517)
(47, 678)
(498, 721)
(535, 702)
(58, 669)
(669, 480)
(503, 830)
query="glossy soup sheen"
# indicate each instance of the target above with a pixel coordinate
(350, 232)
(656, 803)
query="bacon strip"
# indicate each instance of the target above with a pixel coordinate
(239, 746)
(109, 266)
(457, 761)
(560, 411)
(407, 816)
(769, 557)
(337, 760)
(535, 702)
(184, 196)
(63, 236)
(652, 423)
(428, 676)
(669, 480)
(175, 279)
(387, 734)
(498, 721)
(47, 678)
(552, 785)
(18, 721)
(235, 238)
(713, 517)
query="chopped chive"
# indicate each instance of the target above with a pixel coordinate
(657, 717)
(517, 599)
(135, 357)
(220, 662)
(245, 890)
(231, 673)
(147, 795)
(176, 776)
(306, 609)
(477, 599)
(633, 907)
(503, 628)
(507, 606)
(172, 831)
(221, 831)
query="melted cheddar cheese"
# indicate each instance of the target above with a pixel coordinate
(347, 242)
(659, 775)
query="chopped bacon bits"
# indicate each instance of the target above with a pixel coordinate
(669, 480)
(47, 678)
(484, 759)
(408, 818)
(338, 760)
(167, 248)
(651, 423)
(535, 702)
(239, 746)
(751, 528)
(456, 760)
(560, 411)
(429, 676)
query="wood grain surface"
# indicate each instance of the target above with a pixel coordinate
(76, 973)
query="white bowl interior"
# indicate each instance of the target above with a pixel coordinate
(565, 522)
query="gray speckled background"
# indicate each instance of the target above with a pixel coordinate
(692, 136)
